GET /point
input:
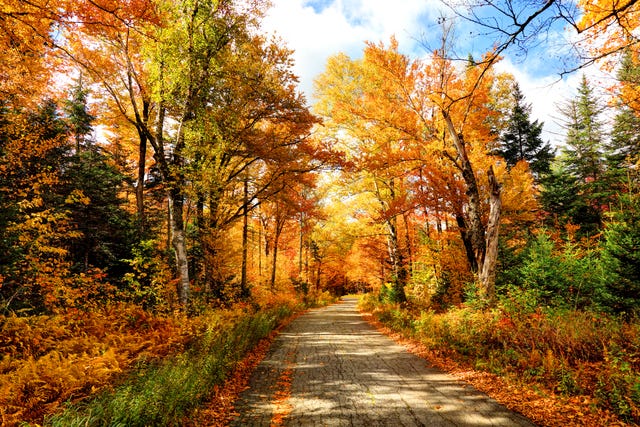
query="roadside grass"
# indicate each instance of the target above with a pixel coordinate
(162, 393)
(566, 353)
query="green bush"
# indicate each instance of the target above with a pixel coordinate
(566, 278)
(621, 255)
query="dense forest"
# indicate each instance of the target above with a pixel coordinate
(166, 190)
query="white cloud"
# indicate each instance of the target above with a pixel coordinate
(317, 29)
(342, 26)
(547, 93)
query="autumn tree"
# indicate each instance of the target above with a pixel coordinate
(423, 112)
(25, 59)
(367, 105)
(34, 271)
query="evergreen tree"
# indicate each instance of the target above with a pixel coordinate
(34, 220)
(107, 233)
(522, 140)
(621, 255)
(561, 199)
(583, 160)
(78, 119)
(623, 149)
(583, 155)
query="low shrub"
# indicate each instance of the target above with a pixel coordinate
(565, 351)
(163, 393)
(159, 364)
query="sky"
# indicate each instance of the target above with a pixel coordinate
(317, 29)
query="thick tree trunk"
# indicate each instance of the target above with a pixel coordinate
(398, 267)
(473, 219)
(482, 240)
(178, 241)
(397, 262)
(468, 245)
(488, 273)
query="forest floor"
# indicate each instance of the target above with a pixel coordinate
(331, 367)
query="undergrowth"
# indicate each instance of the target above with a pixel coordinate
(566, 352)
(164, 393)
(122, 365)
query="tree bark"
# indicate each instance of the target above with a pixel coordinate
(279, 226)
(245, 233)
(300, 242)
(482, 240)
(176, 204)
(396, 258)
(488, 273)
(142, 165)
(473, 219)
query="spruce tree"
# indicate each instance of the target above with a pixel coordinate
(584, 154)
(522, 139)
(106, 228)
(583, 157)
(623, 149)
(621, 255)
(79, 120)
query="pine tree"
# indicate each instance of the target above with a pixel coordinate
(621, 255)
(583, 159)
(107, 233)
(583, 155)
(623, 149)
(522, 140)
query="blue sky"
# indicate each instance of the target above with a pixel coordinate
(317, 29)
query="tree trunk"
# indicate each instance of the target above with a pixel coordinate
(396, 258)
(300, 245)
(488, 273)
(279, 225)
(245, 234)
(407, 239)
(473, 219)
(142, 154)
(468, 245)
(176, 204)
(142, 166)
(199, 263)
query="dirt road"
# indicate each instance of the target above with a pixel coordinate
(329, 367)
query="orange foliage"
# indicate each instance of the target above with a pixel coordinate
(49, 360)
(609, 26)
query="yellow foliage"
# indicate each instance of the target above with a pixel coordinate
(48, 360)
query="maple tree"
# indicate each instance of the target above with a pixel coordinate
(385, 105)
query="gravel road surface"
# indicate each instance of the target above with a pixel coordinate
(329, 367)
